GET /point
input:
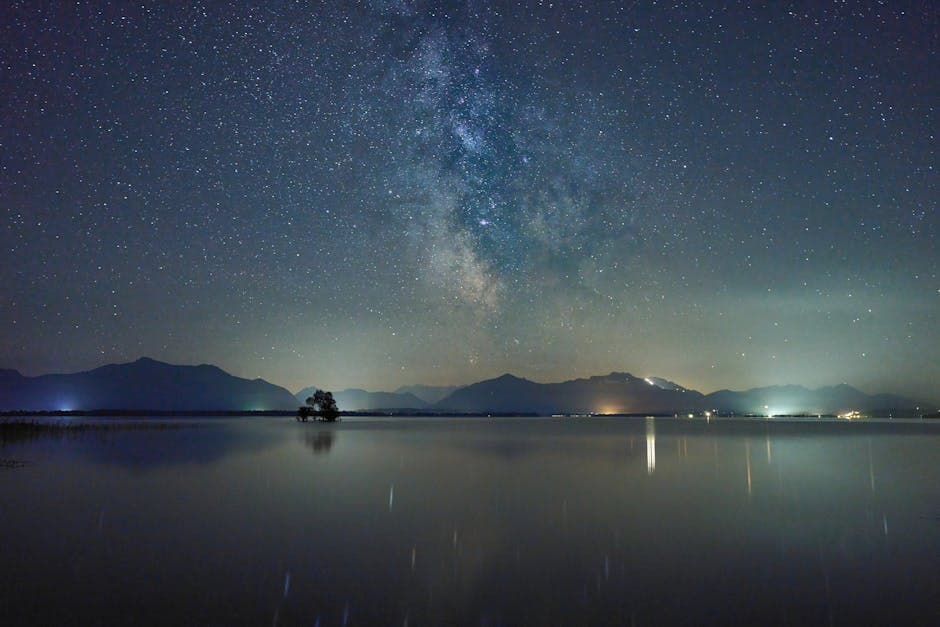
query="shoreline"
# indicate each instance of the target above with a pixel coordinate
(405, 413)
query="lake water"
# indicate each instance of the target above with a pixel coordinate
(474, 522)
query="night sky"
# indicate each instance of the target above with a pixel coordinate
(380, 193)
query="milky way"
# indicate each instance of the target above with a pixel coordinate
(373, 194)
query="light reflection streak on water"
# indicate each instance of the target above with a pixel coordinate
(650, 445)
(747, 457)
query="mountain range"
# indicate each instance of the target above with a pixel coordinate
(147, 384)
(618, 392)
(430, 394)
(621, 393)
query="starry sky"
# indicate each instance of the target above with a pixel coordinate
(370, 194)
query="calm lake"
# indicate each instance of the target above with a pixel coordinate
(527, 521)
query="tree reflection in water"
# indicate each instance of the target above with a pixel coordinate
(319, 441)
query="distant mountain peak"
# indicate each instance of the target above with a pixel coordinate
(842, 387)
(142, 362)
(428, 393)
(620, 376)
(148, 362)
(664, 384)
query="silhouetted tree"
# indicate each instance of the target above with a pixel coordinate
(322, 405)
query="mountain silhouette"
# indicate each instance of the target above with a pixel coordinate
(793, 399)
(430, 394)
(664, 384)
(620, 392)
(145, 384)
(617, 392)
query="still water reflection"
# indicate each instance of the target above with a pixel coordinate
(483, 522)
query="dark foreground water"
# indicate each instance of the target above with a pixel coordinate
(476, 522)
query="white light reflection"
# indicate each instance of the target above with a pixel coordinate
(650, 445)
(747, 457)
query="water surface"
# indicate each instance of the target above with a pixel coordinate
(522, 521)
